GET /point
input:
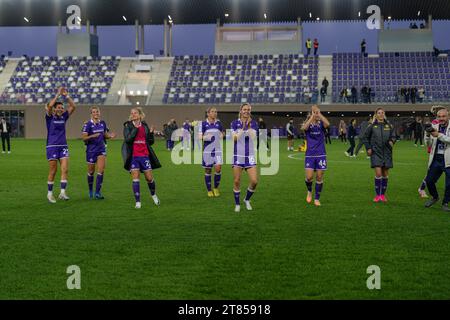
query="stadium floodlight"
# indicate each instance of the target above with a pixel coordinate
(119, 92)
(226, 15)
(138, 92)
(145, 93)
(317, 18)
(273, 112)
(359, 13)
(124, 18)
(389, 18)
(418, 13)
(137, 102)
(26, 19)
(265, 15)
(310, 15)
(131, 92)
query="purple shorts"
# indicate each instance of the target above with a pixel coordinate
(210, 160)
(57, 152)
(140, 163)
(316, 163)
(91, 157)
(244, 162)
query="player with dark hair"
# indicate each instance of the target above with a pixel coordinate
(94, 135)
(211, 134)
(379, 140)
(315, 155)
(138, 154)
(244, 132)
(56, 116)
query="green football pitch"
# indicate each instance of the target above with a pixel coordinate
(195, 247)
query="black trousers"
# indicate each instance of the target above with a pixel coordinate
(6, 138)
(352, 146)
(419, 136)
(435, 171)
(327, 138)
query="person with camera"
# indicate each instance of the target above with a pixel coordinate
(437, 136)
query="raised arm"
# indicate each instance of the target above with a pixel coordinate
(72, 106)
(307, 123)
(51, 104)
(129, 132)
(324, 120)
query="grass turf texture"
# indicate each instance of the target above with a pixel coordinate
(195, 247)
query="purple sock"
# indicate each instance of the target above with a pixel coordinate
(237, 194)
(378, 186)
(98, 185)
(136, 191)
(249, 194)
(208, 181)
(49, 186)
(90, 180)
(384, 185)
(152, 187)
(308, 185)
(217, 177)
(63, 184)
(319, 187)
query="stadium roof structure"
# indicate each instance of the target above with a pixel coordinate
(124, 12)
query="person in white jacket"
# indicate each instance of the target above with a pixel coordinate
(438, 138)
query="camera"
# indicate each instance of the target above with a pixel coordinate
(429, 128)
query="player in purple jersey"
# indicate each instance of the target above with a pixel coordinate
(186, 139)
(315, 155)
(94, 134)
(57, 150)
(244, 133)
(211, 134)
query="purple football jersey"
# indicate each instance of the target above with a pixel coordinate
(56, 129)
(315, 140)
(95, 144)
(212, 148)
(244, 148)
(186, 126)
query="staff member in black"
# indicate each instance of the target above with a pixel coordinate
(5, 131)
(262, 126)
(351, 134)
(438, 138)
(418, 131)
(379, 140)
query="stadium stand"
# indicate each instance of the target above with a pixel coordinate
(242, 78)
(35, 79)
(2, 63)
(387, 73)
